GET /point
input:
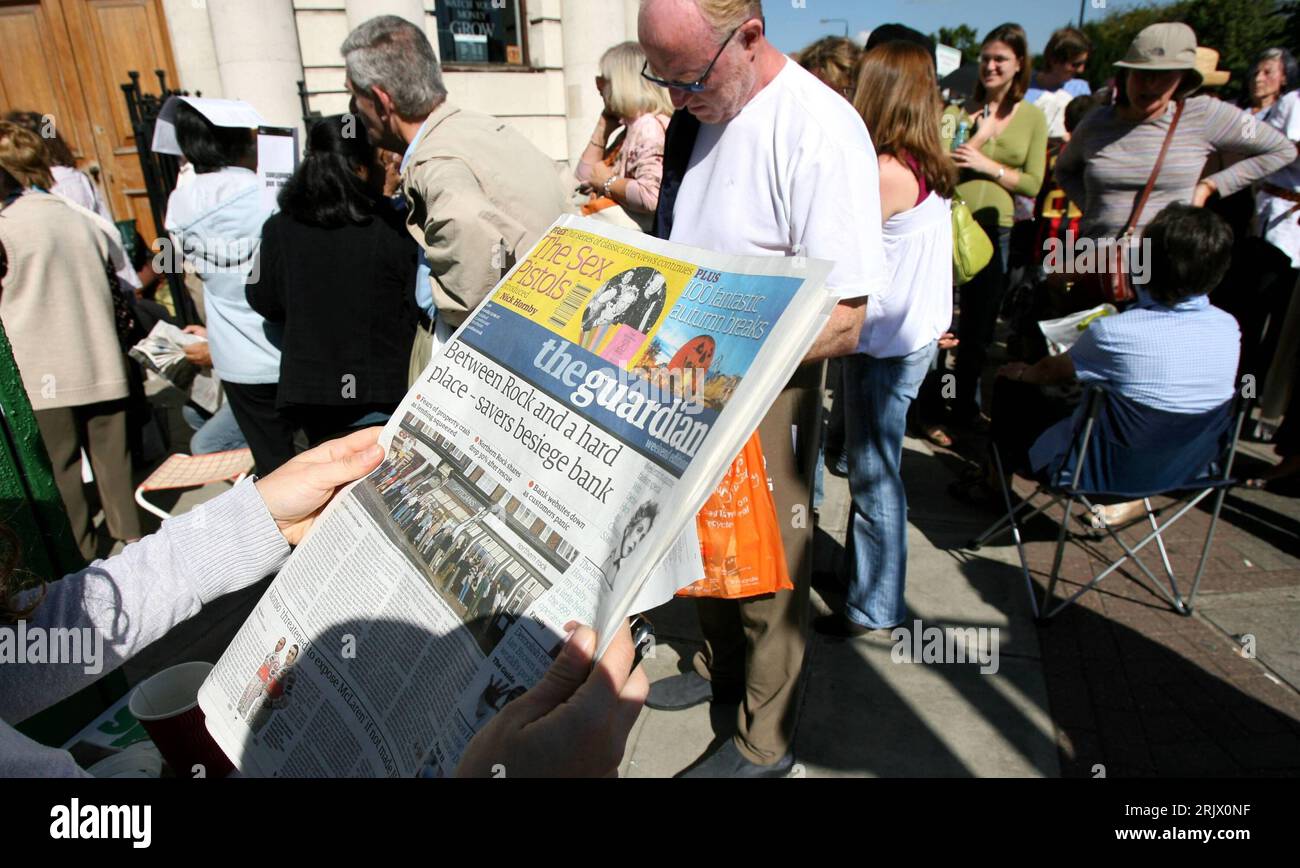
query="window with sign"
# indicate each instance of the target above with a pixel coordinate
(481, 31)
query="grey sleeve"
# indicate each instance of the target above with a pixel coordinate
(114, 608)
(1234, 131)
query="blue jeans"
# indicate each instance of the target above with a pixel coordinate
(878, 394)
(219, 433)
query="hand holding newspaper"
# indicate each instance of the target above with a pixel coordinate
(163, 352)
(540, 471)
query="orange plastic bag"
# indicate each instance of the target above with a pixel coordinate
(740, 539)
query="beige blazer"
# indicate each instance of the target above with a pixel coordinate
(480, 195)
(55, 304)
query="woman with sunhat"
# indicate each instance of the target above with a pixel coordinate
(1111, 154)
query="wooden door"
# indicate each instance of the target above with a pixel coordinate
(73, 56)
(110, 38)
(38, 74)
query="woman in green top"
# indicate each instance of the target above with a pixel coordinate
(1005, 154)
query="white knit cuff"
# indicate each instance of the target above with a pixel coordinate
(240, 542)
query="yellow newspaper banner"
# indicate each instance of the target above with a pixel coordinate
(604, 296)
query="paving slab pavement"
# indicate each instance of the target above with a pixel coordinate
(866, 712)
(1271, 620)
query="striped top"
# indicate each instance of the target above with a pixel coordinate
(1109, 159)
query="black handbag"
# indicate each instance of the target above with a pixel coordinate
(127, 324)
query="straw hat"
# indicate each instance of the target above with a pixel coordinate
(1163, 48)
(1207, 64)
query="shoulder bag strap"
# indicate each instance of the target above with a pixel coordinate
(1155, 173)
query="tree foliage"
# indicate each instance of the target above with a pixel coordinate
(963, 37)
(1238, 29)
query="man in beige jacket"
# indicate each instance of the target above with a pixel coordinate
(479, 193)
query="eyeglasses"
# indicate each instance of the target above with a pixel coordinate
(698, 85)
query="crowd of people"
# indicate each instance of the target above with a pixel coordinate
(320, 312)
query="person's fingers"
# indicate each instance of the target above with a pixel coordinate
(619, 656)
(624, 715)
(567, 674)
(339, 448)
(600, 692)
(345, 468)
(611, 700)
(631, 699)
(357, 441)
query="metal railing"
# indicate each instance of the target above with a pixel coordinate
(159, 172)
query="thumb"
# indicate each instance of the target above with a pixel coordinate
(569, 672)
(349, 467)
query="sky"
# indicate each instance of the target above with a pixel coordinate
(792, 24)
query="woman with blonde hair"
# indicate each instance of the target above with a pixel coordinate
(626, 170)
(833, 60)
(897, 95)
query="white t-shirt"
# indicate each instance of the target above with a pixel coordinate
(1279, 228)
(916, 306)
(794, 174)
(74, 186)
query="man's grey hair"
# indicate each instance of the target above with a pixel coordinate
(392, 53)
(724, 16)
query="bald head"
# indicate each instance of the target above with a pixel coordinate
(682, 37)
(661, 20)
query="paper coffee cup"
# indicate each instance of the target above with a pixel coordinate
(167, 705)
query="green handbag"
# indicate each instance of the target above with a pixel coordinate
(971, 247)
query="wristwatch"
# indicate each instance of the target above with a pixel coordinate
(609, 183)
(1002, 171)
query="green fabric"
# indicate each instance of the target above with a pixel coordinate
(1022, 146)
(971, 247)
(32, 506)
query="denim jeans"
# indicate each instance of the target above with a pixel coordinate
(219, 433)
(878, 394)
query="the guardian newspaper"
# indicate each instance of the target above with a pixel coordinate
(539, 472)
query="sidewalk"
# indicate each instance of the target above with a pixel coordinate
(1116, 685)
(864, 714)
(1144, 691)
(1117, 680)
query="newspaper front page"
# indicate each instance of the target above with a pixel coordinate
(539, 472)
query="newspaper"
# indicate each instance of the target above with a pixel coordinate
(1063, 333)
(540, 471)
(163, 352)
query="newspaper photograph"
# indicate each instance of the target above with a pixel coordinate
(547, 467)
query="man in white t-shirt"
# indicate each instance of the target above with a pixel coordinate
(781, 165)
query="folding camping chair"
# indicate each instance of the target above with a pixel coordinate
(1121, 451)
(191, 471)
